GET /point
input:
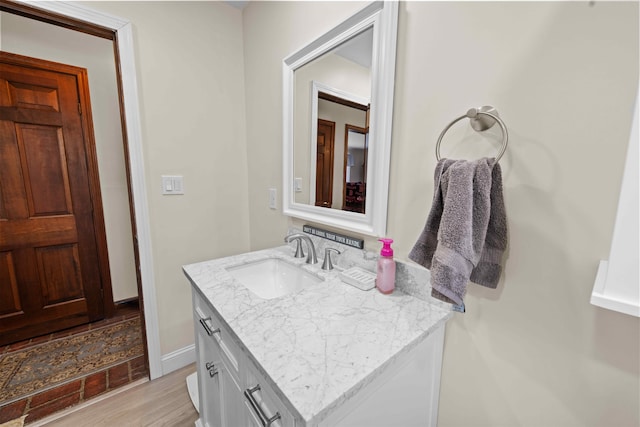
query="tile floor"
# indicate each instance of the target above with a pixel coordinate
(44, 403)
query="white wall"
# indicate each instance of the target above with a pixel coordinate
(189, 65)
(272, 31)
(44, 41)
(563, 76)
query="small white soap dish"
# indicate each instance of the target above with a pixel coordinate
(359, 277)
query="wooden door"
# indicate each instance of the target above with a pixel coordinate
(53, 260)
(324, 163)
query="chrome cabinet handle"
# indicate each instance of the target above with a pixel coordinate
(266, 421)
(207, 328)
(213, 371)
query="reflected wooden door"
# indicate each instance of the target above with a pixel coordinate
(324, 163)
(53, 262)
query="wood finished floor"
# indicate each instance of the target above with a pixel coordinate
(161, 402)
(41, 403)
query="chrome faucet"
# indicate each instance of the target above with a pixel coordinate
(312, 257)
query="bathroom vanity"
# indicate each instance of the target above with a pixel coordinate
(322, 354)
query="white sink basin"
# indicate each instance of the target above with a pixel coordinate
(272, 277)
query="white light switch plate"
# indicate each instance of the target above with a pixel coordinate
(172, 184)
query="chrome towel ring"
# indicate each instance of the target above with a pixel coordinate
(481, 119)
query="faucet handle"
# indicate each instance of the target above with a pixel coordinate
(327, 264)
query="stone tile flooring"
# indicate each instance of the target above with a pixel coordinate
(46, 402)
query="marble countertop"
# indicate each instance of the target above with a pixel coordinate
(319, 346)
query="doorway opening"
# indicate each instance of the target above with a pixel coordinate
(77, 18)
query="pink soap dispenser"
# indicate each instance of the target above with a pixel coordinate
(386, 278)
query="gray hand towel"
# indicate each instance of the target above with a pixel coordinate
(466, 231)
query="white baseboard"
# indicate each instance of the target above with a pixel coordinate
(178, 359)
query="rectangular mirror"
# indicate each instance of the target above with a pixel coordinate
(338, 107)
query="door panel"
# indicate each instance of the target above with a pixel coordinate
(50, 263)
(9, 298)
(324, 163)
(59, 274)
(33, 92)
(43, 164)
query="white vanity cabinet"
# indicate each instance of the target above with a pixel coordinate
(262, 403)
(209, 367)
(233, 413)
(232, 391)
(329, 355)
(406, 394)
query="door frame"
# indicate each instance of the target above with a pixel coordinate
(80, 18)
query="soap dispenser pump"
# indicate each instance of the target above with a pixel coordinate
(386, 277)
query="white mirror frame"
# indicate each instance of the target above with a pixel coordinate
(383, 16)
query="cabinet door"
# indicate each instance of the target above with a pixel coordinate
(251, 419)
(404, 394)
(209, 366)
(232, 402)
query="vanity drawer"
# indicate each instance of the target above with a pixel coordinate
(209, 322)
(262, 403)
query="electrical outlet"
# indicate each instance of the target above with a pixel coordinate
(273, 193)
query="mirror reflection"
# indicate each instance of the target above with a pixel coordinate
(337, 116)
(355, 169)
(331, 126)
